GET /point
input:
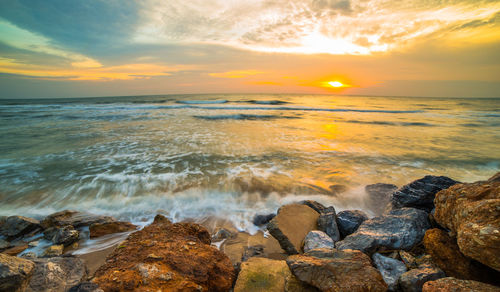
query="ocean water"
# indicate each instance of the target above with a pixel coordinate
(232, 156)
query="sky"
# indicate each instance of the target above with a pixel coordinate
(60, 48)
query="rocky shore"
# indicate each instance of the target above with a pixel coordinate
(433, 234)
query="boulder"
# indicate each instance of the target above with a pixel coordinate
(347, 270)
(471, 211)
(390, 269)
(316, 206)
(327, 222)
(56, 274)
(53, 251)
(413, 280)
(450, 284)
(378, 196)
(348, 221)
(17, 226)
(317, 239)
(168, 257)
(261, 274)
(86, 287)
(100, 229)
(14, 273)
(400, 229)
(446, 254)
(66, 235)
(291, 226)
(420, 193)
(259, 220)
(74, 218)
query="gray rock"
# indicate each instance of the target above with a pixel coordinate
(414, 280)
(86, 287)
(420, 194)
(316, 206)
(66, 235)
(14, 273)
(4, 244)
(260, 220)
(317, 239)
(390, 269)
(400, 229)
(57, 274)
(379, 195)
(348, 221)
(74, 218)
(327, 222)
(17, 226)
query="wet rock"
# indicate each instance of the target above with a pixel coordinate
(413, 280)
(446, 254)
(291, 226)
(317, 239)
(400, 229)
(327, 222)
(4, 244)
(184, 260)
(408, 259)
(347, 270)
(472, 213)
(261, 274)
(17, 226)
(316, 206)
(348, 221)
(450, 284)
(420, 193)
(379, 195)
(260, 220)
(390, 269)
(252, 251)
(56, 274)
(74, 218)
(66, 235)
(86, 287)
(15, 250)
(101, 229)
(53, 251)
(14, 273)
(223, 233)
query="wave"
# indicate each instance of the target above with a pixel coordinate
(202, 101)
(243, 117)
(387, 123)
(269, 102)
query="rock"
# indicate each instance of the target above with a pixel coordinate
(347, 270)
(291, 226)
(400, 229)
(56, 274)
(14, 273)
(317, 239)
(261, 274)
(100, 229)
(390, 269)
(413, 280)
(348, 221)
(316, 206)
(472, 213)
(420, 193)
(74, 218)
(17, 226)
(327, 222)
(53, 251)
(184, 260)
(86, 287)
(408, 259)
(450, 284)
(4, 244)
(15, 249)
(223, 233)
(379, 195)
(66, 235)
(260, 220)
(446, 254)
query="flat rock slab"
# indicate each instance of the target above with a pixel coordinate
(17, 226)
(291, 226)
(348, 270)
(14, 273)
(56, 274)
(400, 229)
(74, 218)
(101, 229)
(450, 284)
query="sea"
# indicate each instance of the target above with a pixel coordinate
(191, 157)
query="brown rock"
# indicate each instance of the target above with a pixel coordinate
(291, 226)
(472, 212)
(14, 273)
(100, 229)
(340, 270)
(450, 284)
(56, 274)
(73, 218)
(243, 246)
(184, 261)
(413, 280)
(446, 254)
(53, 251)
(13, 251)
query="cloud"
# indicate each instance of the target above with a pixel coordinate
(235, 74)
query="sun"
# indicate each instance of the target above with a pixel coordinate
(336, 84)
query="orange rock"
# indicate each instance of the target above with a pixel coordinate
(100, 229)
(454, 285)
(166, 256)
(13, 251)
